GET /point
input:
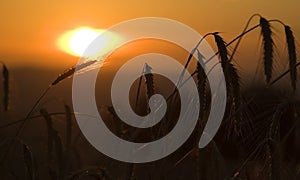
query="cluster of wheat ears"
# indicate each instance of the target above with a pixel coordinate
(58, 151)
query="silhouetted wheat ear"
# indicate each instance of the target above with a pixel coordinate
(54, 140)
(201, 83)
(5, 74)
(222, 48)
(150, 92)
(232, 83)
(274, 126)
(29, 162)
(273, 145)
(236, 97)
(59, 153)
(49, 124)
(268, 45)
(149, 80)
(71, 72)
(290, 40)
(68, 127)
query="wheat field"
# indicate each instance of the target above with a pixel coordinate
(258, 139)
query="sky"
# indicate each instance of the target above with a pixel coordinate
(29, 29)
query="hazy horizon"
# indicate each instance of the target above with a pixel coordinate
(29, 30)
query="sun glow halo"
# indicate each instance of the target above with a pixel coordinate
(76, 41)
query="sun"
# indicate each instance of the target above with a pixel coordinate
(76, 41)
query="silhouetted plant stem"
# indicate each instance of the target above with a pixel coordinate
(239, 40)
(207, 61)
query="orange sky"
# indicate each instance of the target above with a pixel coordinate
(29, 29)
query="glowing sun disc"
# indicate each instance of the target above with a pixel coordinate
(76, 41)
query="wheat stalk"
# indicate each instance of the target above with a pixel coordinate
(147, 71)
(240, 39)
(187, 64)
(237, 38)
(59, 153)
(68, 127)
(68, 136)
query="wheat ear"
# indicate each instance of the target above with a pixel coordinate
(149, 80)
(232, 81)
(290, 40)
(29, 162)
(268, 45)
(54, 140)
(5, 74)
(273, 145)
(71, 71)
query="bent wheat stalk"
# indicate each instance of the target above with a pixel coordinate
(217, 53)
(240, 39)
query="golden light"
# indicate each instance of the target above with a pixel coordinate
(76, 41)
